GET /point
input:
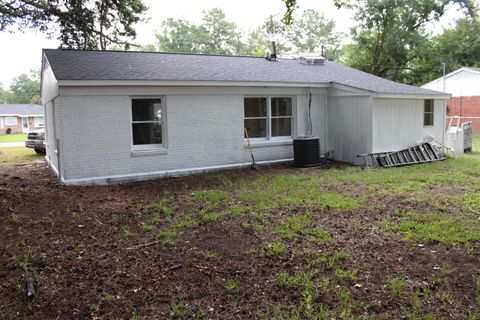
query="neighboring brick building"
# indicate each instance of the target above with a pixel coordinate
(18, 118)
(464, 86)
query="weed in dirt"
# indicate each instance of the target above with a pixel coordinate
(210, 255)
(299, 280)
(471, 202)
(156, 219)
(147, 227)
(257, 227)
(178, 310)
(324, 284)
(135, 316)
(342, 295)
(17, 285)
(183, 223)
(15, 218)
(274, 249)
(342, 274)
(108, 298)
(337, 201)
(127, 233)
(342, 255)
(168, 234)
(437, 227)
(232, 285)
(236, 210)
(397, 286)
(27, 259)
(209, 200)
(211, 216)
(161, 206)
(477, 285)
(292, 226)
(320, 236)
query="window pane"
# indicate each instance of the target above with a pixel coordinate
(428, 119)
(147, 109)
(281, 127)
(281, 107)
(428, 105)
(10, 121)
(147, 133)
(255, 107)
(256, 128)
(428, 113)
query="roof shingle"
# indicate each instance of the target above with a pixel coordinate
(21, 109)
(128, 65)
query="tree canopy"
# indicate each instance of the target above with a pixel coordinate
(83, 24)
(390, 39)
(24, 89)
(216, 35)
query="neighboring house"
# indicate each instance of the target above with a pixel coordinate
(119, 116)
(18, 118)
(464, 86)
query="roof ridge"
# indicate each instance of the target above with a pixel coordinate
(161, 52)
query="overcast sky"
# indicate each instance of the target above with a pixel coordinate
(21, 51)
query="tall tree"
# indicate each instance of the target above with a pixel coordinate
(459, 46)
(24, 89)
(83, 24)
(214, 35)
(311, 30)
(390, 36)
(179, 35)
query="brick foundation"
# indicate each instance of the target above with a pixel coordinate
(466, 107)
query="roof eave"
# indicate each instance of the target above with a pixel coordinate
(440, 96)
(95, 83)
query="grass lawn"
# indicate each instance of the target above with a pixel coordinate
(335, 242)
(13, 137)
(16, 155)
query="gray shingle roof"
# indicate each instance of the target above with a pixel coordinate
(21, 109)
(127, 65)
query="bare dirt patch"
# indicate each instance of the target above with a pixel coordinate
(76, 243)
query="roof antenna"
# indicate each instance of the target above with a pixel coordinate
(273, 55)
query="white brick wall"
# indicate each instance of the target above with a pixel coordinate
(203, 130)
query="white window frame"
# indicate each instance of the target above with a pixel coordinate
(269, 118)
(11, 121)
(1, 123)
(425, 113)
(37, 123)
(149, 147)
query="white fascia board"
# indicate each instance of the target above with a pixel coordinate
(21, 115)
(73, 83)
(440, 96)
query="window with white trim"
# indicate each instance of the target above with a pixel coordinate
(268, 117)
(39, 122)
(428, 108)
(147, 123)
(10, 121)
(1, 123)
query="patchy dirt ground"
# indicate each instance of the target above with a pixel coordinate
(161, 249)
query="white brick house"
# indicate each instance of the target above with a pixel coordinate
(120, 116)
